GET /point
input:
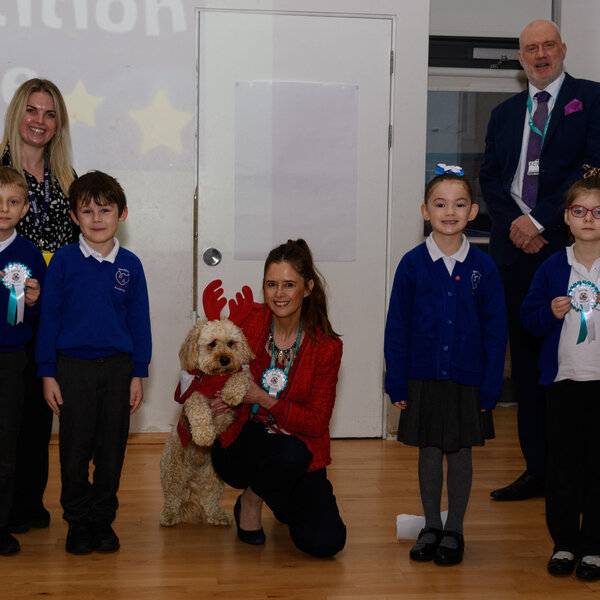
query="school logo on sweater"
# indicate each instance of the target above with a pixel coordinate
(122, 276)
(475, 279)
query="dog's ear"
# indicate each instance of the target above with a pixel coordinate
(246, 352)
(188, 353)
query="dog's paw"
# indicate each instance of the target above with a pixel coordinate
(235, 389)
(168, 518)
(220, 517)
(204, 437)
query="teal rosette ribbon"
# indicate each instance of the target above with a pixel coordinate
(15, 275)
(584, 297)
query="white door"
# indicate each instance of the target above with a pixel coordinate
(293, 120)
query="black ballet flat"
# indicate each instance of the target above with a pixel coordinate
(254, 538)
(450, 556)
(423, 552)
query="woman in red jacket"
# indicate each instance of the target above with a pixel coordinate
(295, 371)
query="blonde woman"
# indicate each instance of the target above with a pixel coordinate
(36, 142)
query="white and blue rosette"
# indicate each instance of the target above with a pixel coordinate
(584, 297)
(273, 381)
(15, 275)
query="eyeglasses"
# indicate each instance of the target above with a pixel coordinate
(582, 211)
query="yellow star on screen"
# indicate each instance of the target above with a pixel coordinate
(81, 105)
(161, 123)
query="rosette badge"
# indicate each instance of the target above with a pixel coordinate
(15, 275)
(584, 297)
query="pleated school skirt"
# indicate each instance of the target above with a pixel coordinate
(444, 414)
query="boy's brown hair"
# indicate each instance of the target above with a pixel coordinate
(98, 187)
(10, 176)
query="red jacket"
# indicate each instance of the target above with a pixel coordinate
(305, 405)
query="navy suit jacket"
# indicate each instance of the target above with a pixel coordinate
(571, 141)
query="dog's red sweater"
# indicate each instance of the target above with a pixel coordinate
(305, 405)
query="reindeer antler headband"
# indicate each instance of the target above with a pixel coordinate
(213, 303)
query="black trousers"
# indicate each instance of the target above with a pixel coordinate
(94, 423)
(12, 367)
(573, 479)
(274, 467)
(31, 472)
(524, 352)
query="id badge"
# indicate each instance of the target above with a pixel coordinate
(533, 167)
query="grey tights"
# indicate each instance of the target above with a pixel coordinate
(458, 480)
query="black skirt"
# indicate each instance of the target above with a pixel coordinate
(444, 414)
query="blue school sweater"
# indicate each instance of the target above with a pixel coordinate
(20, 250)
(94, 309)
(550, 280)
(442, 326)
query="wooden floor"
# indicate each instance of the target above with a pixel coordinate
(507, 545)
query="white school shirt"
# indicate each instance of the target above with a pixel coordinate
(516, 188)
(579, 362)
(6, 243)
(459, 256)
(88, 251)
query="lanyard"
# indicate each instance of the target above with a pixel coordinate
(43, 218)
(530, 111)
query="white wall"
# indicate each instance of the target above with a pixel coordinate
(579, 21)
(488, 18)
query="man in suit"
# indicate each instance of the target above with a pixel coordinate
(524, 195)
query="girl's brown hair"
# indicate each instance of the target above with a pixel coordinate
(590, 182)
(447, 177)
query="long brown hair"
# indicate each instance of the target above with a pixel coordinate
(58, 150)
(314, 306)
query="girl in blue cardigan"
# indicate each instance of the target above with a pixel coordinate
(445, 344)
(562, 307)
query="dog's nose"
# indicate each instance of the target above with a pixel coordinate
(224, 360)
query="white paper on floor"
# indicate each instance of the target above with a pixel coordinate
(409, 526)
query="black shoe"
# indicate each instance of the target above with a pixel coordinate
(79, 539)
(423, 551)
(8, 544)
(588, 571)
(104, 538)
(526, 486)
(254, 538)
(561, 566)
(18, 525)
(40, 519)
(450, 556)
(22, 522)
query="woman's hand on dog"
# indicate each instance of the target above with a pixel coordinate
(217, 406)
(52, 394)
(256, 395)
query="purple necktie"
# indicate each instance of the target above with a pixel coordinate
(534, 149)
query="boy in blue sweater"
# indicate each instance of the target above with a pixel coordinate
(22, 268)
(93, 348)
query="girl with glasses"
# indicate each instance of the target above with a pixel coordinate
(562, 307)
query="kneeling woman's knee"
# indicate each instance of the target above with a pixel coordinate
(321, 542)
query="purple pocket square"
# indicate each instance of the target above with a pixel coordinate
(573, 106)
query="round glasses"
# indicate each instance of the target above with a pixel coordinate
(582, 211)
